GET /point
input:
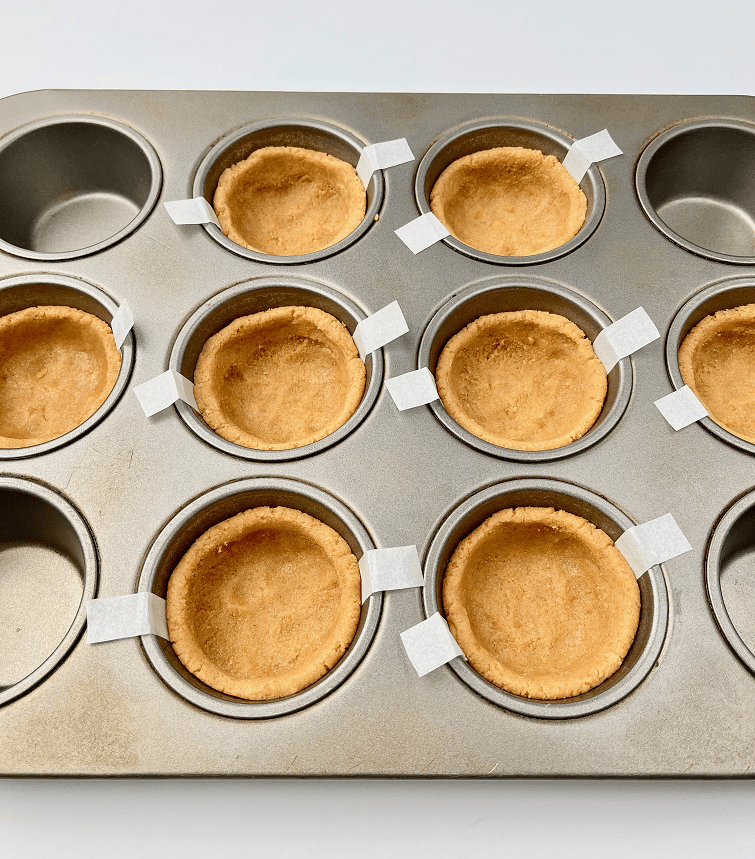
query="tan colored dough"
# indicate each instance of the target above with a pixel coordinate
(523, 380)
(286, 201)
(717, 360)
(509, 201)
(541, 602)
(264, 604)
(279, 379)
(57, 367)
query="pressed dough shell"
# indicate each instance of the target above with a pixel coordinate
(541, 602)
(509, 201)
(523, 380)
(264, 604)
(717, 361)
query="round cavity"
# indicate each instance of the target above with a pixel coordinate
(533, 492)
(482, 135)
(718, 298)
(214, 507)
(696, 183)
(258, 296)
(515, 294)
(48, 572)
(42, 351)
(73, 185)
(301, 134)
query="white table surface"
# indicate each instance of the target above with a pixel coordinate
(663, 46)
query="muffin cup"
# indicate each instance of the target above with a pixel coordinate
(73, 185)
(255, 296)
(524, 292)
(51, 545)
(216, 506)
(538, 492)
(303, 133)
(489, 134)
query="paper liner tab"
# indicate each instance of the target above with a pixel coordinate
(430, 644)
(378, 330)
(126, 617)
(121, 324)
(412, 389)
(652, 543)
(589, 150)
(624, 337)
(422, 232)
(681, 408)
(381, 156)
(390, 570)
(193, 211)
(164, 390)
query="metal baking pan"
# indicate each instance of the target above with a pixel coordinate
(108, 509)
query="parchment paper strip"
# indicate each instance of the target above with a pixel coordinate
(624, 337)
(412, 389)
(379, 329)
(390, 570)
(430, 644)
(162, 391)
(652, 543)
(126, 617)
(422, 232)
(121, 324)
(381, 156)
(681, 408)
(587, 151)
(193, 211)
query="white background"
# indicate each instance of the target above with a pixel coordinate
(662, 46)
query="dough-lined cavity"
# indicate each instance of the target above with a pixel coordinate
(264, 604)
(523, 380)
(286, 201)
(541, 602)
(57, 367)
(279, 379)
(717, 361)
(509, 201)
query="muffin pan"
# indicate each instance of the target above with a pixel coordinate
(109, 508)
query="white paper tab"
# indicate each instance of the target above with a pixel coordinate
(681, 408)
(162, 391)
(381, 156)
(430, 644)
(121, 324)
(624, 337)
(126, 617)
(193, 211)
(412, 389)
(422, 232)
(381, 328)
(652, 543)
(589, 150)
(390, 570)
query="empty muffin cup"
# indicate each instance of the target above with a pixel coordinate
(215, 507)
(74, 185)
(285, 191)
(49, 572)
(572, 499)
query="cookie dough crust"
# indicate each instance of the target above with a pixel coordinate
(264, 604)
(279, 379)
(57, 367)
(286, 201)
(717, 360)
(523, 380)
(541, 602)
(509, 201)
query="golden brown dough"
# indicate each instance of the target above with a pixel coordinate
(524, 380)
(509, 201)
(264, 604)
(541, 602)
(284, 200)
(717, 360)
(57, 367)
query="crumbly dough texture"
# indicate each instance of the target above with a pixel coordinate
(509, 201)
(717, 360)
(541, 602)
(286, 201)
(279, 379)
(264, 604)
(57, 367)
(524, 380)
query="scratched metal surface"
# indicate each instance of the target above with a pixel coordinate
(105, 712)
